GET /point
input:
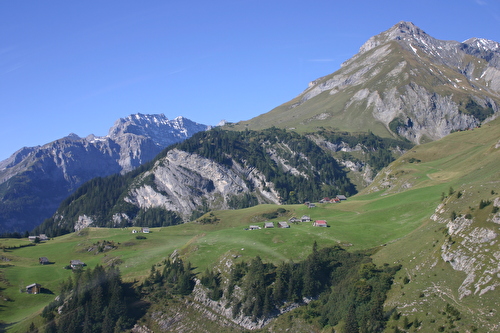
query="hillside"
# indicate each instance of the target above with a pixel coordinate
(220, 169)
(402, 82)
(435, 211)
(453, 257)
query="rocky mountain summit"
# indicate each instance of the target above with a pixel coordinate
(34, 180)
(402, 82)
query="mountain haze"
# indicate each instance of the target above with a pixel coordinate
(402, 82)
(34, 180)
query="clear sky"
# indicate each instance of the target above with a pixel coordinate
(77, 66)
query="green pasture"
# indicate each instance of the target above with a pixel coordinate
(357, 223)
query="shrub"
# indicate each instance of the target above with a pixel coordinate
(484, 203)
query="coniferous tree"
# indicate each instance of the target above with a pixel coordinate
(97, 304)
(312, 273)
(280, 287)
(32, 328)
(351, 323)
(107, 323)
(51, 327)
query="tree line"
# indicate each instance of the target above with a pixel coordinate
(377, 151)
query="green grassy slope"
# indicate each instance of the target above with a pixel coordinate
(392, 214)
(464, 167)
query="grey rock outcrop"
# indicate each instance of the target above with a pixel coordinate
(472, 249)
(183, 182)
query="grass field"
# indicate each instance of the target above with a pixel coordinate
(393, 214)
(357, 223)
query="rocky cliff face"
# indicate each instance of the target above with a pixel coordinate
(35, 180)
(183, 182)
(417, 85)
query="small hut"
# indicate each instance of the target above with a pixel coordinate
(43, 260)
(34, 288)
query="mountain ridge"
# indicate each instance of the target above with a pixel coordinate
(34, 180)
(402, 82)
(213, 170)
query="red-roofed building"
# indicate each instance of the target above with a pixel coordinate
(320, 223)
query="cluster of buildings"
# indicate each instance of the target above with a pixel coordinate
(41, 237)
(36, 288)
(143, 230)
(284, 224)
(304, 218)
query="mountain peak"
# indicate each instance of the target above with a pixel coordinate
(72, 136)
(483, 44)
(155, 126)
(402, 31)
(404, 28)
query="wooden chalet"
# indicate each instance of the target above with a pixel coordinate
(305, 218)
(254, 227)
(268, 225)
(341, 197)
(41, 237)
(145, 230)
(34, 288)
(283, 225)
(76, 264)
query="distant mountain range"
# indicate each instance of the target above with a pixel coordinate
(402, 82)
(34, 180)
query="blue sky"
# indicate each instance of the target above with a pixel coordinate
(77, 66)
